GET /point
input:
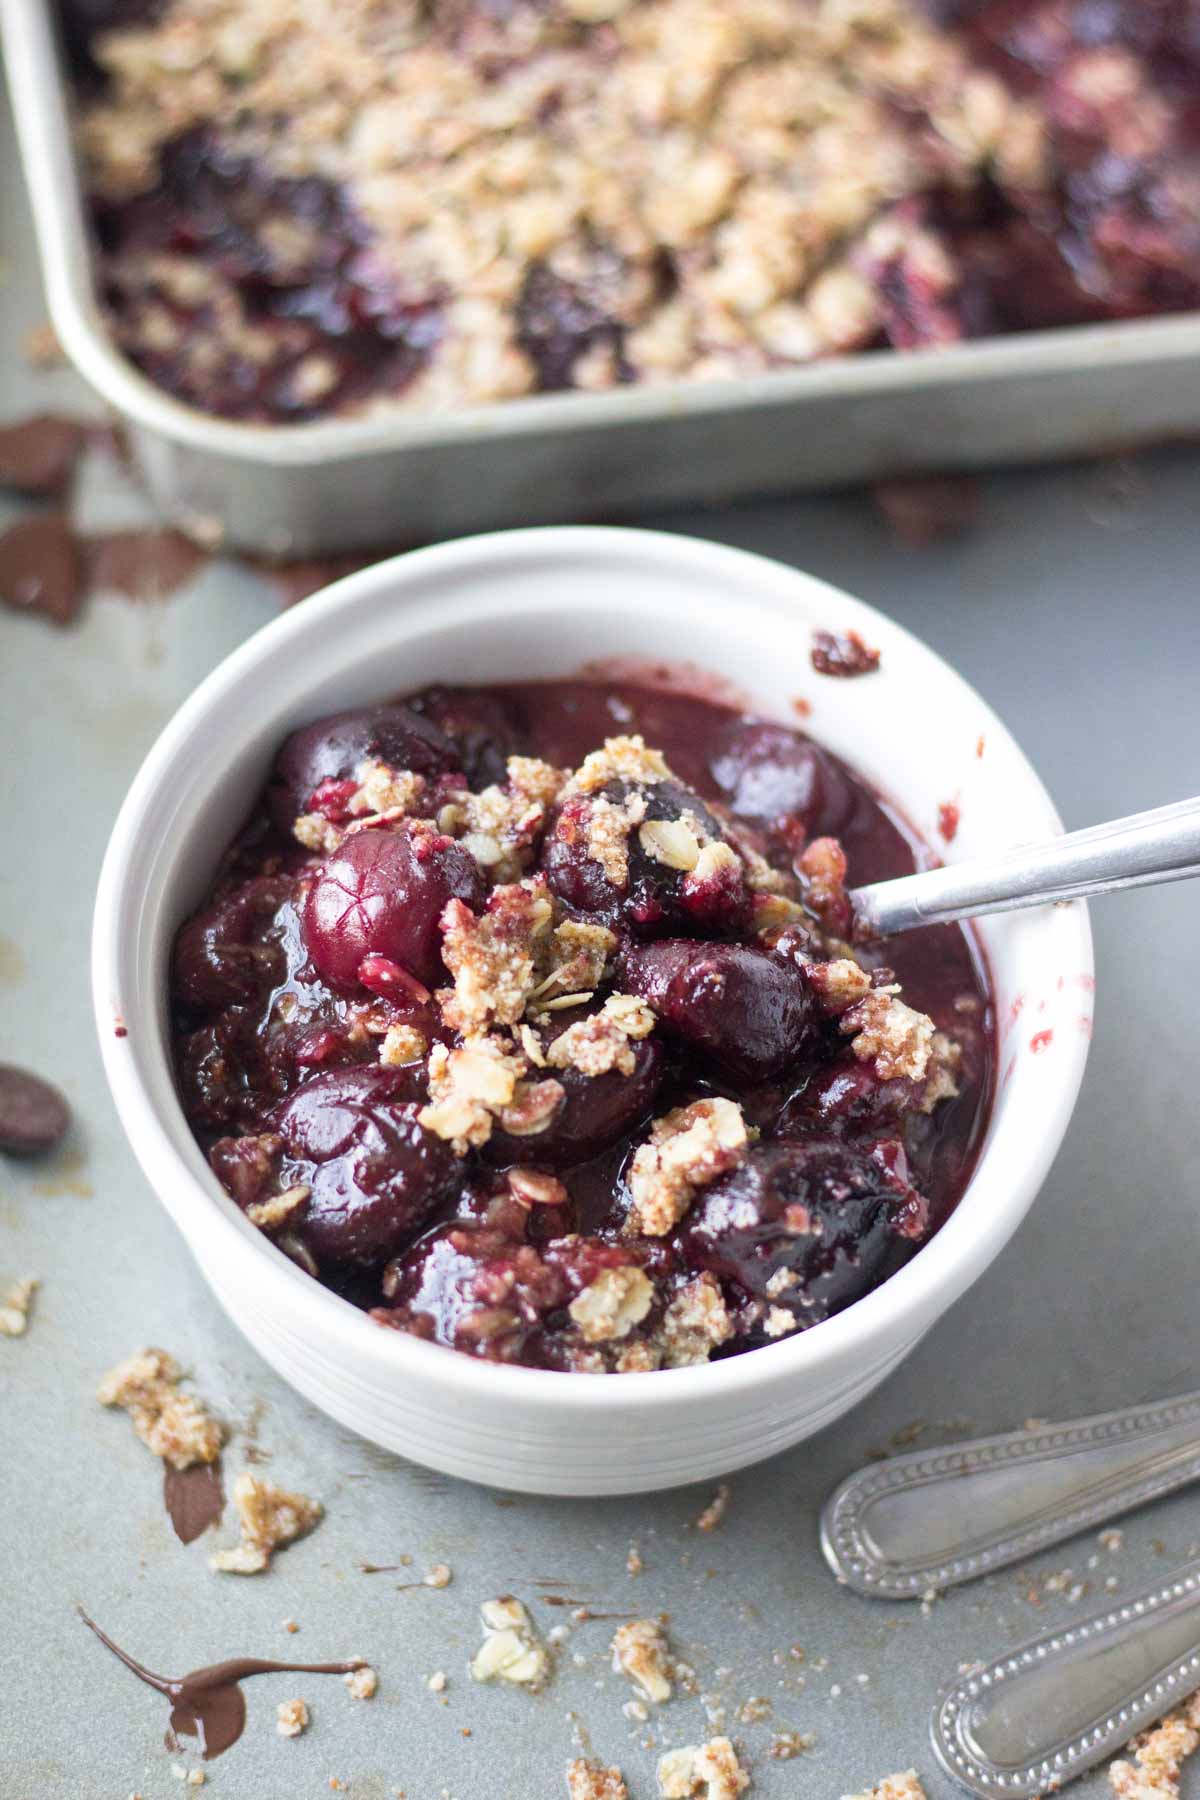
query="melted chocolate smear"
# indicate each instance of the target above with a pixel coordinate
(38, 455)
(208, 1704)
(141, 565)
(41, 569)
(194, 1498)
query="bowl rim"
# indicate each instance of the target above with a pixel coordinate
(917, 1293)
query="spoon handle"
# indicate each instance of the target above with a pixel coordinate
(1140, 851)
(931, 1519)
(1060, 1704)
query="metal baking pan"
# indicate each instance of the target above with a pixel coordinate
(354, 483)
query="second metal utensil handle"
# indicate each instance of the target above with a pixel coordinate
(930, 1519)
(1056, 1706)
(1146, 848)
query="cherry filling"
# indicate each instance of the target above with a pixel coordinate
(523, 1018)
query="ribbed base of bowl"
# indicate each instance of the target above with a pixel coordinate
(622, 1451)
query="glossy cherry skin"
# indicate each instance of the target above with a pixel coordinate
(376, 1175)
(594, 1112)
(382, 894)
(771, 776)
(230, 951)
(331, 749)
(736, 1006)
(482, 727)
(655, 899)
(820, 1207)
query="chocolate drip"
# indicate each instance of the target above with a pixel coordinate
(194, 1498)
(208, 1704)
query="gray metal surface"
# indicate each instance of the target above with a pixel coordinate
(389, 478)
(1072, 607)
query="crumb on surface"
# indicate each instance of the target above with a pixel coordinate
(291, 1718)
(511, 1649)
(710, 1771)
(785, 1745)
(905, 1786)
(714, 1512)
(270, 1517)
(1111, 1540)
(633, 1560)
(172, 1424)
(588, 1779)
(436, 1683)
(640, 1650)
(439, 1576)
(362, 1682)
(1158, 1755)
(15, 1306)
(687, 1148)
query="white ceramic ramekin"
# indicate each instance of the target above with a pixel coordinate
(542, 603)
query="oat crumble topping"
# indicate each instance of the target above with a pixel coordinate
(480, 1082)
(710, 1771)
(291, 1718)
(270, 1214)
(15, 1307)
(403, 1044)
(599, 1043)
(785, 1745)
(270, 1517)
(613, 1304)
(171, 1424)
(491, 957)
(1158, 1755)
(686, 1150)
(890, 1035)
(588, 1779)
(511, 1650)
(640, 1651)
(609, 823)
(362, 1682)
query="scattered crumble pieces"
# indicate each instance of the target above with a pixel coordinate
(15, 1305)
(511, 1650)
(491, 956)
(470, 1087)
(609, 823)
(714, 1512)
(291, 1718)
(788, 1744)
(1111, 1540)
(403, 1044)
(600, 1043)
(578, 953)
(1157, 1756)
(610, 1307)
(621, 759)
(640, 1651)
(173, 1425)
(268, 1215)
(694, 1324)
(905, 1786)
(270, 1518)
(588, 1779)
(362, 1682)
(290, 1625)
(779, 1321)
(436, 1682)
(890, 1035)
(633, 1561)
(754, 1710)
(686, 1150)
(438, 1577)
(710, 1770)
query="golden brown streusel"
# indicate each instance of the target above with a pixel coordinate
(588, 1779)
(171, 1424)
(1158, 1755)
(905, 1786)
(270, 1214)
(686, 1150)
(600, 1043)
(291, 1718)
(640, 1651)
(695, 1323)
(710, 1771)
(611, 1305)
(362, 1682)
(15, 1306)
(403, 1044)
(491, 956)
(511, 1649)
(270, 1517)
(469, 1088)
(896, 1040)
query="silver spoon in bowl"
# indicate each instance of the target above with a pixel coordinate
(1140, 851)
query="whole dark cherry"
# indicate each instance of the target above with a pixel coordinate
(594, 1112)
(772, 776)
(823, 1210)
(483, 728)
(375, 1174)
(381, 895)
(330, 749)
(657, 899)
(231, 951)
(736, 1005)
